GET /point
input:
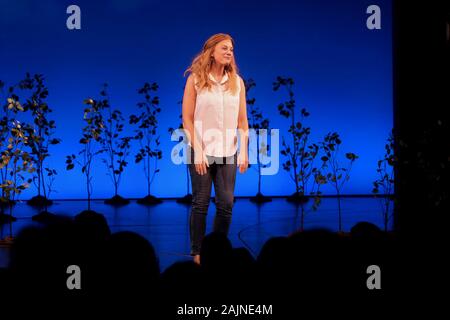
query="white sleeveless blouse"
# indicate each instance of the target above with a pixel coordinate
(216, 118)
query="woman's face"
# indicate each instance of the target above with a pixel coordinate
(223, 52)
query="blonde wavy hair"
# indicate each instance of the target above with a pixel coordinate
(202, 63)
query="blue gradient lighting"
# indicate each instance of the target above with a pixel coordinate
(342, 72)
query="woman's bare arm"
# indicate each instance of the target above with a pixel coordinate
(188, 109)
(242, 119)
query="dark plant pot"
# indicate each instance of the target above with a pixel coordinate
(39, 201)
(297, 197)
(117, 201)
(149, 200)
(6, 218)
(44, 217)
(260, 198)
(187, 199)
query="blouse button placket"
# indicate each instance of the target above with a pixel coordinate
(221, 106)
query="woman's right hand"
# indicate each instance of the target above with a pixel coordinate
(201, 164)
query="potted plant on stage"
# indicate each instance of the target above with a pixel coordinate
(15, 162)
(149, 152)
(44, 131)
(300, 152)
(116, 146)
(318, 180)
(337, 174)
(20, 162)
(260, 125)
(5, 132)
(91, 145)
(383, 187)
(50, 175)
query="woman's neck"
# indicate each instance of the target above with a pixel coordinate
(217, 71)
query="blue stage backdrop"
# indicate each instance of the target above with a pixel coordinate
(342, 72)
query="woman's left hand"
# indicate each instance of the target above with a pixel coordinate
(242, 162)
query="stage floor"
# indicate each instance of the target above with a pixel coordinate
(166, 225)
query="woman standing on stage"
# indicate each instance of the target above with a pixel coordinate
(214, 109)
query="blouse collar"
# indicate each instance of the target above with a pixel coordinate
(224, 78)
